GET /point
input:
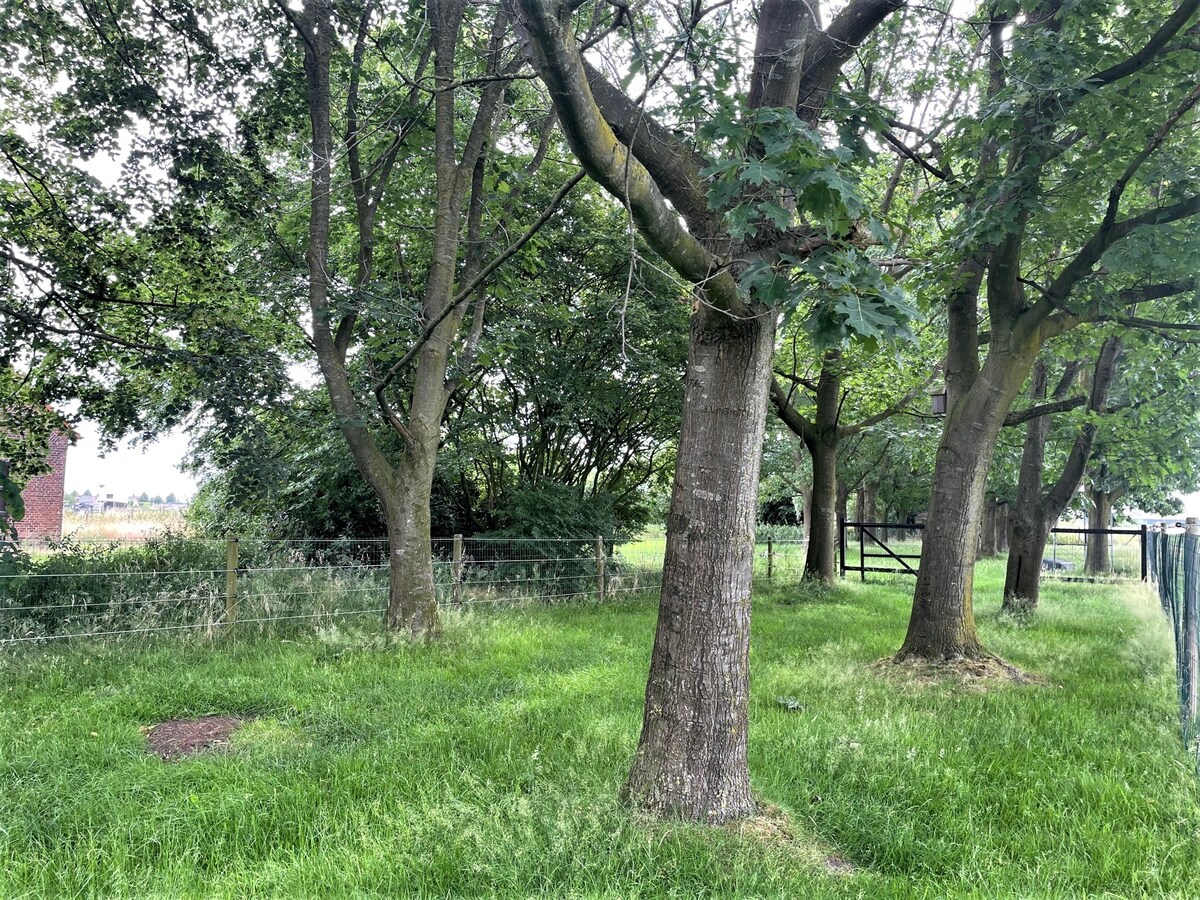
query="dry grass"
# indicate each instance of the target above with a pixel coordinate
(122, 525)
(984, 674)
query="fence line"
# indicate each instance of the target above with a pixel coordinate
(1174, 562)
(863, 546)
(181, 584)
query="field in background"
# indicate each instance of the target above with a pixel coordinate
(121, 524)
(489, 764)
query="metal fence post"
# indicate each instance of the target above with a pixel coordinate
(770, 557)
(1191, 642)
(1145, 553)
(600, 566)
(456, 569)
(862, 555)
(231, 566)
(841, 544)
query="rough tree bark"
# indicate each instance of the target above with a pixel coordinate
(691, 757)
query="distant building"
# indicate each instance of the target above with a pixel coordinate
(43, 496)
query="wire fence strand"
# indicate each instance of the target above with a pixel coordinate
(80, 590)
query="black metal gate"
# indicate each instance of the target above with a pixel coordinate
(1065, 554)
(873, 544)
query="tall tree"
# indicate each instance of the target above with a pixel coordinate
(1034, 162)
(457, 61)
(735, 191)
(1038, 508)
(814, 410)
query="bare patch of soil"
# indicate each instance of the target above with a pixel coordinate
(838, 865)
(981, 674)
(178, 738)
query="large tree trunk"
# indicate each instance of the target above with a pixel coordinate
(942, 624)
(987, 531)
(1036, 509)
(1022, 577)
(1028, 529)
(1028, 532)
(1100, 515)
(691, 759)
(412, 598)
(820, 563)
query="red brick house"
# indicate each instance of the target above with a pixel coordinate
(43, 496)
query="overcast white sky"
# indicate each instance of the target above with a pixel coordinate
(153, 468)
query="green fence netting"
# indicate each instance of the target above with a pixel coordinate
(1174, 566)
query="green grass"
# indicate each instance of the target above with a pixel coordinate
(488, 765)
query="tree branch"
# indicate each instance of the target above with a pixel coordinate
(609, 161)
(798, 424)
(1142, 58)
(673, 165)
(905, 151)
(894, 409)
(835, 45)
(484, 274)
(1043, 409)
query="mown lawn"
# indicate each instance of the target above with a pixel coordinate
(488, 765)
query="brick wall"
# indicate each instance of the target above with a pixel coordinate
(43, 496)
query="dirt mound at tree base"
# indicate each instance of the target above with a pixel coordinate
(976, 674)
(178, 738)
(772, 825)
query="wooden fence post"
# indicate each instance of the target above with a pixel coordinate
(600, 567)
(770, 557)
(456, 569)
(231, 566)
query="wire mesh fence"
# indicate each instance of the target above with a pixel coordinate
(177, 583)
(1095, 554)
(1174, 563)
